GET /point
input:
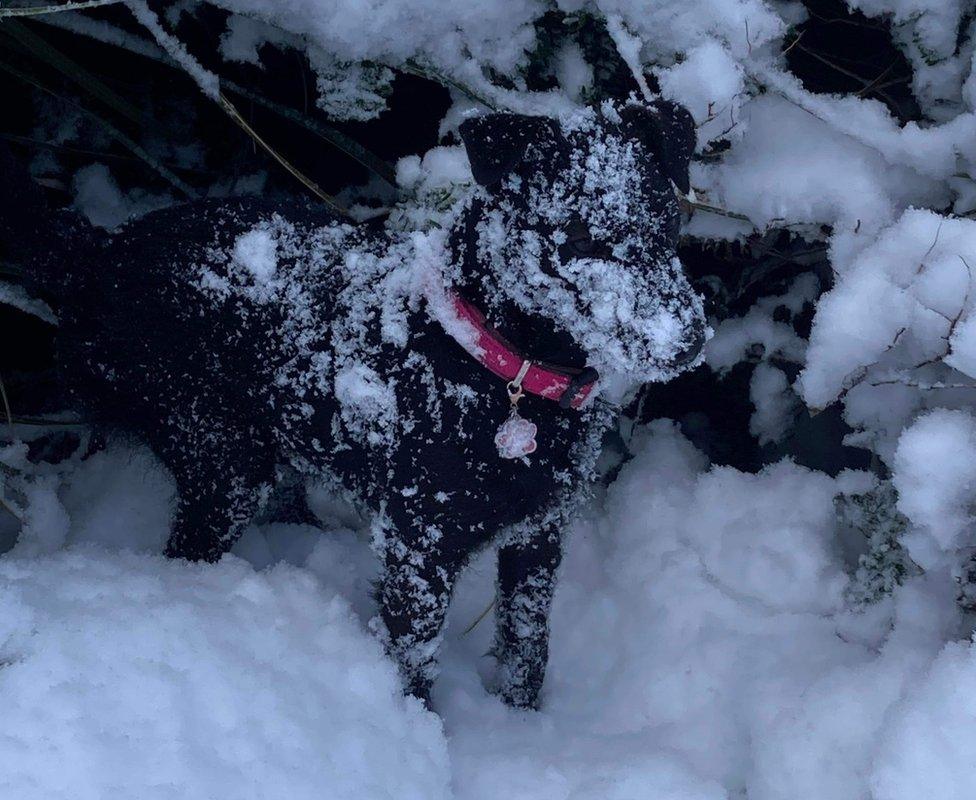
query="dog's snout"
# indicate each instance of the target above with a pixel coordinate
(688, 354)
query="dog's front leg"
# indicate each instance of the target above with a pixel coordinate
(414, 593)
(527, 566)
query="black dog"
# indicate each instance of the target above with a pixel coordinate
(237, 336)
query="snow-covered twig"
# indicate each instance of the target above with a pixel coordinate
(11, 509)
(923, 385)
(413, 67)
(16, 297)
(204, 78)
(694, 205)
(32, 11)
(629, 47)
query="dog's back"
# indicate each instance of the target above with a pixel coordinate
(132, 339)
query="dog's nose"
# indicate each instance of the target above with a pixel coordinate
(690, 353)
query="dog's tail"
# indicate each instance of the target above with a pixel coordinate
(48, 249)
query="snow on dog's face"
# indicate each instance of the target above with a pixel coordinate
(577, 224)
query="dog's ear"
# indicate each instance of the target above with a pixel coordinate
(668, 132)
(497, 143)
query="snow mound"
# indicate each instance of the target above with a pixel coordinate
(932, 736)
(132, 676)
(935, 475)
(702, 649)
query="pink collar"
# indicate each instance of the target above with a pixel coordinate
(569, 387)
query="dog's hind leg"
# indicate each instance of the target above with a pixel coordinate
(221, 486)
(527, 565)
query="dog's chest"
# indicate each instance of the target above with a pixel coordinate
(415, 427)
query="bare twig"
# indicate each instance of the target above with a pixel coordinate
(823, 60)
(866, 84)
(307, 182)
(847, 21)
(174, 180)
(102, 155)
(876, 85)
(32, 11)
(334, 137)
(935, 241)
(694, 205)
(6, 406)
(855, 377)
(904, 380)
(414, 68)
(73, 71)
(794, 43)
(143, 48)
(478, 619)
(962, 308)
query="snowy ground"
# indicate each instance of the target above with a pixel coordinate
(701, 650)
(704, 643)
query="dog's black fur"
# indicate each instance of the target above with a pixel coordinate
(331, 366)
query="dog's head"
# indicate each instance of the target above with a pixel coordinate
(576, 226)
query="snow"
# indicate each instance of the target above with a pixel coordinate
(257, 251)
(17, 297)
(935, 475)
(790, 167)
(738, 337)
(922, 749)
(140, 676)
(369, 404)
(574, 74)
(716, 634)
(775, 402)
(45, 522)
(893, 337)
(244, 36)
(710, 84)
(98, 196)
(702, 649)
